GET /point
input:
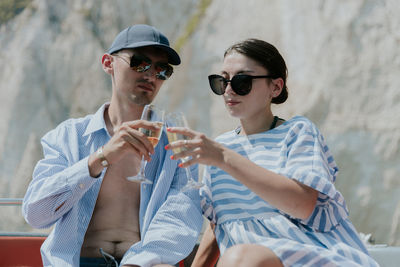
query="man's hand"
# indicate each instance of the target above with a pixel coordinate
(127, 139)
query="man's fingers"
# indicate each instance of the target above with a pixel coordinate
(139, 141)
(150, 125)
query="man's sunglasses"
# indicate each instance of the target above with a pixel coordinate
(240, 83)
(141, 63)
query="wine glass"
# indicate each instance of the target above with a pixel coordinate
(177, 119)
(156, 115)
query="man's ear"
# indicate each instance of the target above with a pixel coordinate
(107, 63)
(278, 86)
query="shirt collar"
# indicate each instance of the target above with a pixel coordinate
(97, 121)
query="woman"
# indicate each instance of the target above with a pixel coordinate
(269, 190)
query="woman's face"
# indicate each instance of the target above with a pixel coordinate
(258, 101)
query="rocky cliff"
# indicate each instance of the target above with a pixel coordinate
(342, 56)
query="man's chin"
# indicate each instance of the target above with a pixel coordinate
(142, 100)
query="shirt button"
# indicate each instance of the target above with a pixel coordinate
(81, 186)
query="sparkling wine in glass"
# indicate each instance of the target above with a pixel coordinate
(177, 119)
(155, 115)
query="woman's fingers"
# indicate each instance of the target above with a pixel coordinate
(197, 148)
(182, 130)
(188, 152)
(184, 164)
(180, 148)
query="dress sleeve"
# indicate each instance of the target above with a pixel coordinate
(206, 196)
(310, 162)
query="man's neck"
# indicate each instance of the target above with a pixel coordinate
(115, 115)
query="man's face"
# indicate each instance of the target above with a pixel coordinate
(137, 87)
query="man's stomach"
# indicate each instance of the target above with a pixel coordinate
(114, 225)
(113, 241)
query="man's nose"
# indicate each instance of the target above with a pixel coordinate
(150, 74)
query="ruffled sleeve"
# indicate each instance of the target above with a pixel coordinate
(310, 162)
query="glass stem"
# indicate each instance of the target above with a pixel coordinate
(189, 174)
(142, 166)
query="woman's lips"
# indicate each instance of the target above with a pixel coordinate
(231, 102)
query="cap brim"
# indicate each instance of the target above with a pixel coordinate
(173, 57)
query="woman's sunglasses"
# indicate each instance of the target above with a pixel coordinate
(141, 63)
(240, 83)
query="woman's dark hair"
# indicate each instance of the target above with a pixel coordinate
(267, 56)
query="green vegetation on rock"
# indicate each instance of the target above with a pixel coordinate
(10, 8)
(192, 24)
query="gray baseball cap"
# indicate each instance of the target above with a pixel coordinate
(141, 35)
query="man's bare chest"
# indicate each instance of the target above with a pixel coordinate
(116, 189)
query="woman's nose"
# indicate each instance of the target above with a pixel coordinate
(229, 90)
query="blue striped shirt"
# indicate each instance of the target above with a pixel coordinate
(170, 221)
(297, 150)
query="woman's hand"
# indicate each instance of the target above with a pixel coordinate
(198, 146)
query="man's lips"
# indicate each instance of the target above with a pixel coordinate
(146, 87)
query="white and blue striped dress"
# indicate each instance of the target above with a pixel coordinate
(297, 150)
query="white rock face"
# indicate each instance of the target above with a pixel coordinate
(343, 59)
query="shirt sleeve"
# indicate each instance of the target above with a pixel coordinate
(57, 184)
(206, 197)
(310, 162)
(174, 229)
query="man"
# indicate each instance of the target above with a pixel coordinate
(80, 186)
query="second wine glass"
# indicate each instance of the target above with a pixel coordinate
(156, 115)
(177, 119)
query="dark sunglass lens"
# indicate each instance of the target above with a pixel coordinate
(241, 84)
(217, 84)
(140, 63)
(163, 71)
(161, 75)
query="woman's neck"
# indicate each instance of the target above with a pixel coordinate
(257, 124)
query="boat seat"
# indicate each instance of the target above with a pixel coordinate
(24, 250)
(18, 251)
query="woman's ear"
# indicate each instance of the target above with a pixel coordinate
(107, 63)
(278, 86)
